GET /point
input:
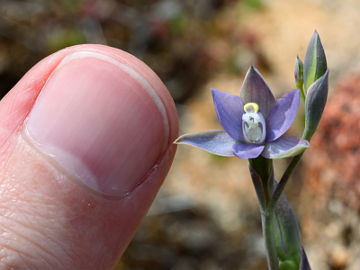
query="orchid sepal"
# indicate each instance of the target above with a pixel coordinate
(286, 146)
(216, 142)
(255, 89)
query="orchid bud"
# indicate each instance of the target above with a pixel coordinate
(315, 85)
(315, 61)
(299, 76)
(315, 104)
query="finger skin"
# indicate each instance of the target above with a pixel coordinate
(47, 219)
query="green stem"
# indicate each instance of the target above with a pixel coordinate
(283, 181)
(264, 170)
(302, 92)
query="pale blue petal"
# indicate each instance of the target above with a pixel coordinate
(282, 115)
(285, 146)
(217, 142)
(248, 150)
(229, 109)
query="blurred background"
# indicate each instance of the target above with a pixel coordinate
(206, 215)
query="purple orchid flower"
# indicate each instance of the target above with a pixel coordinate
(254, 123)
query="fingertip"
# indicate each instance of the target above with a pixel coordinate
(102, 120)
(92, 130)
(18, 102)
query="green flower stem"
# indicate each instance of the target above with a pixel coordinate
(302, 92)
(283, 181)
(264, 169)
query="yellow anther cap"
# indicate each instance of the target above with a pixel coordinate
(251, 107)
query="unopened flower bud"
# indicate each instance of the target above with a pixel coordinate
(315, 61)
(314, 105)
(299, 76)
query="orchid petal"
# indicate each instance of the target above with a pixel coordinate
(255, 89)
(247, 150)
(285, 146)
(217, 142)
(282, 115)
(304, 263)
(229, 109)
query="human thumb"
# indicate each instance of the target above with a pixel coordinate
(85, 141)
